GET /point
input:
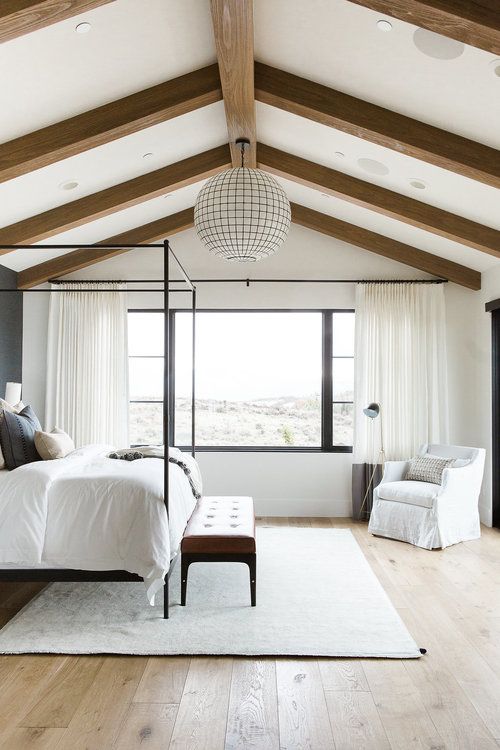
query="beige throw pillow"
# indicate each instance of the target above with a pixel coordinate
(55, 444)
(5, 406)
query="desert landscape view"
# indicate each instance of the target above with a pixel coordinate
(279, 422)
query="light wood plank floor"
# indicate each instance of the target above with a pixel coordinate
(450, 601)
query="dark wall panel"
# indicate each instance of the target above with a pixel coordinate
(11, 330)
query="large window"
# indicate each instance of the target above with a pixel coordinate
(265, 380)
(258, 379)
(145, 347)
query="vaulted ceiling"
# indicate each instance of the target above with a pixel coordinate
(385, 140)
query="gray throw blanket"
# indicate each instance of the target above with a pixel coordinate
(154, 452)
(187, 471)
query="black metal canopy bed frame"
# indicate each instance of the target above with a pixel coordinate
(168, 287)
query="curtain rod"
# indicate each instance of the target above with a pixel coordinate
(250, 281)
(216, 281)
(320, 281)
(81, 246)
(94, 291)
(109, 281)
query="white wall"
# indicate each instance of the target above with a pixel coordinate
(35, 315)
(481, 352)
(469, 378)
(290, 483)
(282, 484)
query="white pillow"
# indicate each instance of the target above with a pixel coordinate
(5, 406)
(52, 445)
(15, 408)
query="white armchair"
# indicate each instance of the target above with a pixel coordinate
(430, 515)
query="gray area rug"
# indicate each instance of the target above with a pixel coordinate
(316, 596)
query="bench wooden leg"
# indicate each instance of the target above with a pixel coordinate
(185, 563)
(252, 567)
(249, 559)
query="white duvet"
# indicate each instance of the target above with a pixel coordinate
(89, 512)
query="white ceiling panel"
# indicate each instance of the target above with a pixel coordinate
(140, 263)
(181, 199)
(54, 73)
(318, 143)
(305, 254)
(384, 225)
(113, 163)
(325, 258)
(108, 226)
(337, 43)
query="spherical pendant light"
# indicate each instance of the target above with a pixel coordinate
(242, 214)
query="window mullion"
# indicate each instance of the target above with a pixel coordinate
(327, 390)
(171, 376)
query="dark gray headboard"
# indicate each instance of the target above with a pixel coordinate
(11, 330)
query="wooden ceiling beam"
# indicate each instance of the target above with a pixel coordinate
(233, 28)
(109, 122)
(341, 230)
(19, 17)
(376, 124)
(474, 22)
(78, 259)
(379, 199)
(116, 198)
(272, 86)
(388, 248)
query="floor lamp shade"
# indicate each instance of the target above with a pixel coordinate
(13, 393)
(372, 410)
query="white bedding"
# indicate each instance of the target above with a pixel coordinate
(89, 512)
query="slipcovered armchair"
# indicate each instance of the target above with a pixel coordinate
(430, 515)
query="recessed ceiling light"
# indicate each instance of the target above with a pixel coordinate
(339, 154)
(148, 155)
(373, 167)
(384, 25)
(495, 64)
(83, 28)
(68, 185)
(437, 46)
(418, 184)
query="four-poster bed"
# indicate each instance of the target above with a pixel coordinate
(88, 572)
(182, 285)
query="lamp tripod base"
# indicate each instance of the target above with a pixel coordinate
(380, 461)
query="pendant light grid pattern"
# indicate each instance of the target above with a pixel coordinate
(242, 214)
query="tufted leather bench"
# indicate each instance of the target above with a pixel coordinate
(221, 529)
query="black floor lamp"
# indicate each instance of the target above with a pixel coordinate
(373, 411)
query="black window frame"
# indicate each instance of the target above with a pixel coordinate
(326, 385)
(330, 401)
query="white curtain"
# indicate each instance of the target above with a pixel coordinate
(400, 360)
(87, 363)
